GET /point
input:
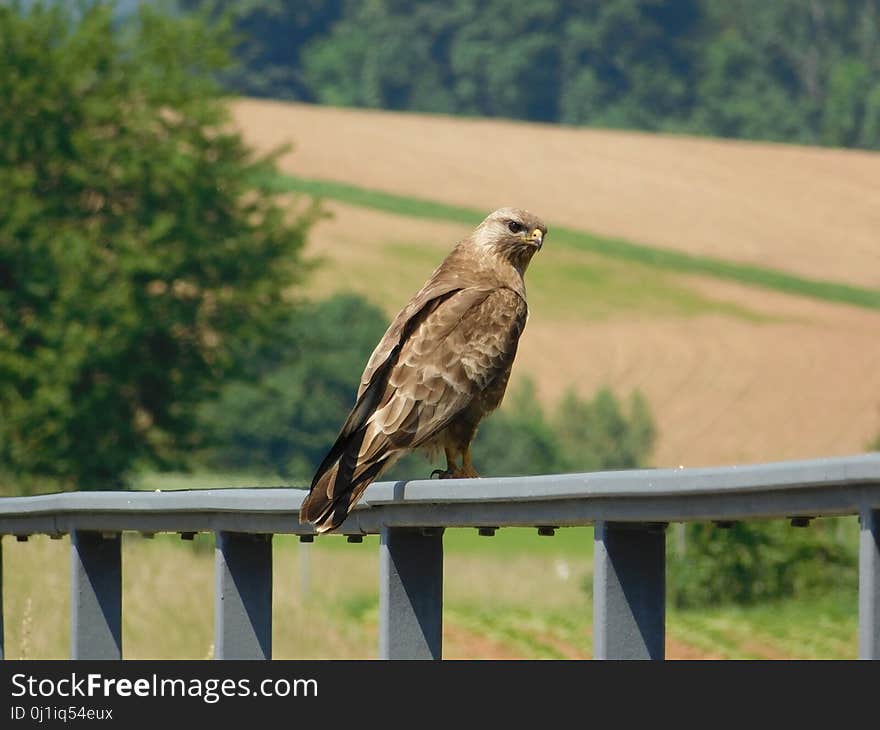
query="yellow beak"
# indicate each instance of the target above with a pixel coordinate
(537, 237)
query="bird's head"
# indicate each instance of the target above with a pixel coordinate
(513, 234)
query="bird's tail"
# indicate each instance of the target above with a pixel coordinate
(325, 506)
(334, 494)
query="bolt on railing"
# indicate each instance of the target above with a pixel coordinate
(629, 510)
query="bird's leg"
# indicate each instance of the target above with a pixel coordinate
(451, 467)
(467, 467)
(453, 471)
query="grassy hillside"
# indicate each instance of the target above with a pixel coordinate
(735, 284)
(733, 372)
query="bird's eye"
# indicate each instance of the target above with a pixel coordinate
(515, 227)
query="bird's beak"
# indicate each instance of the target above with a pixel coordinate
(537, 238)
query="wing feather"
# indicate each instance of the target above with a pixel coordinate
(449, 359)
(426, 370)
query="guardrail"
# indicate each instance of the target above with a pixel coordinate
(629, 509)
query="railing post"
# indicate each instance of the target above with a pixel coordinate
(243, 596)
(869, 584)
(95, 595)
(2, 635)
(629, 591)
(410, 593)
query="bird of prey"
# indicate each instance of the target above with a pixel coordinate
(442, 365)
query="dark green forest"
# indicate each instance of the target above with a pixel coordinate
(804, 71)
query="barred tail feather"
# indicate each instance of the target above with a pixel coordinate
(319, 507)
(334, 494)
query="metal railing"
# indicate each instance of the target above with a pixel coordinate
(629, 509)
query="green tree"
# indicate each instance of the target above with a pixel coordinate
(518, 439)
(271, 36)
(790, 70)
(628, 63)
(140, 265)
(617, 63)
(751, 562)
(285, 420)
(599, 434)
(384, 54)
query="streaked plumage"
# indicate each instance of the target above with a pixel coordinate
(441, 366)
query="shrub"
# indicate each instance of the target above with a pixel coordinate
(758, 561)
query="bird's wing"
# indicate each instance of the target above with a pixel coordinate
(385, 356)
(456, 345)
(451, 357)
(434, 293)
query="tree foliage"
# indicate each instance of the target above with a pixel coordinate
(139, 265)
(752, 562)
(786, 70)
(285, 421)
(270, 40)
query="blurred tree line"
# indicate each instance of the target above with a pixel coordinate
(790, 70)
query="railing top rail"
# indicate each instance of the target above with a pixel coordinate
(849, 470)
(817, 487)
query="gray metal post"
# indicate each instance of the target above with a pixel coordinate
(869, 584)
(243, 596)
(2, 651)
(95, 595)
(305, 569)
(629, 591)
(410, 593)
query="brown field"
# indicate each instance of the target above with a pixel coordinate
(732, 373)
(810, 211)
(724, 391)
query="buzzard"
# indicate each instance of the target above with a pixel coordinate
(441, 366)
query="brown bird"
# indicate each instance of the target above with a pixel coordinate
(441, 366)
